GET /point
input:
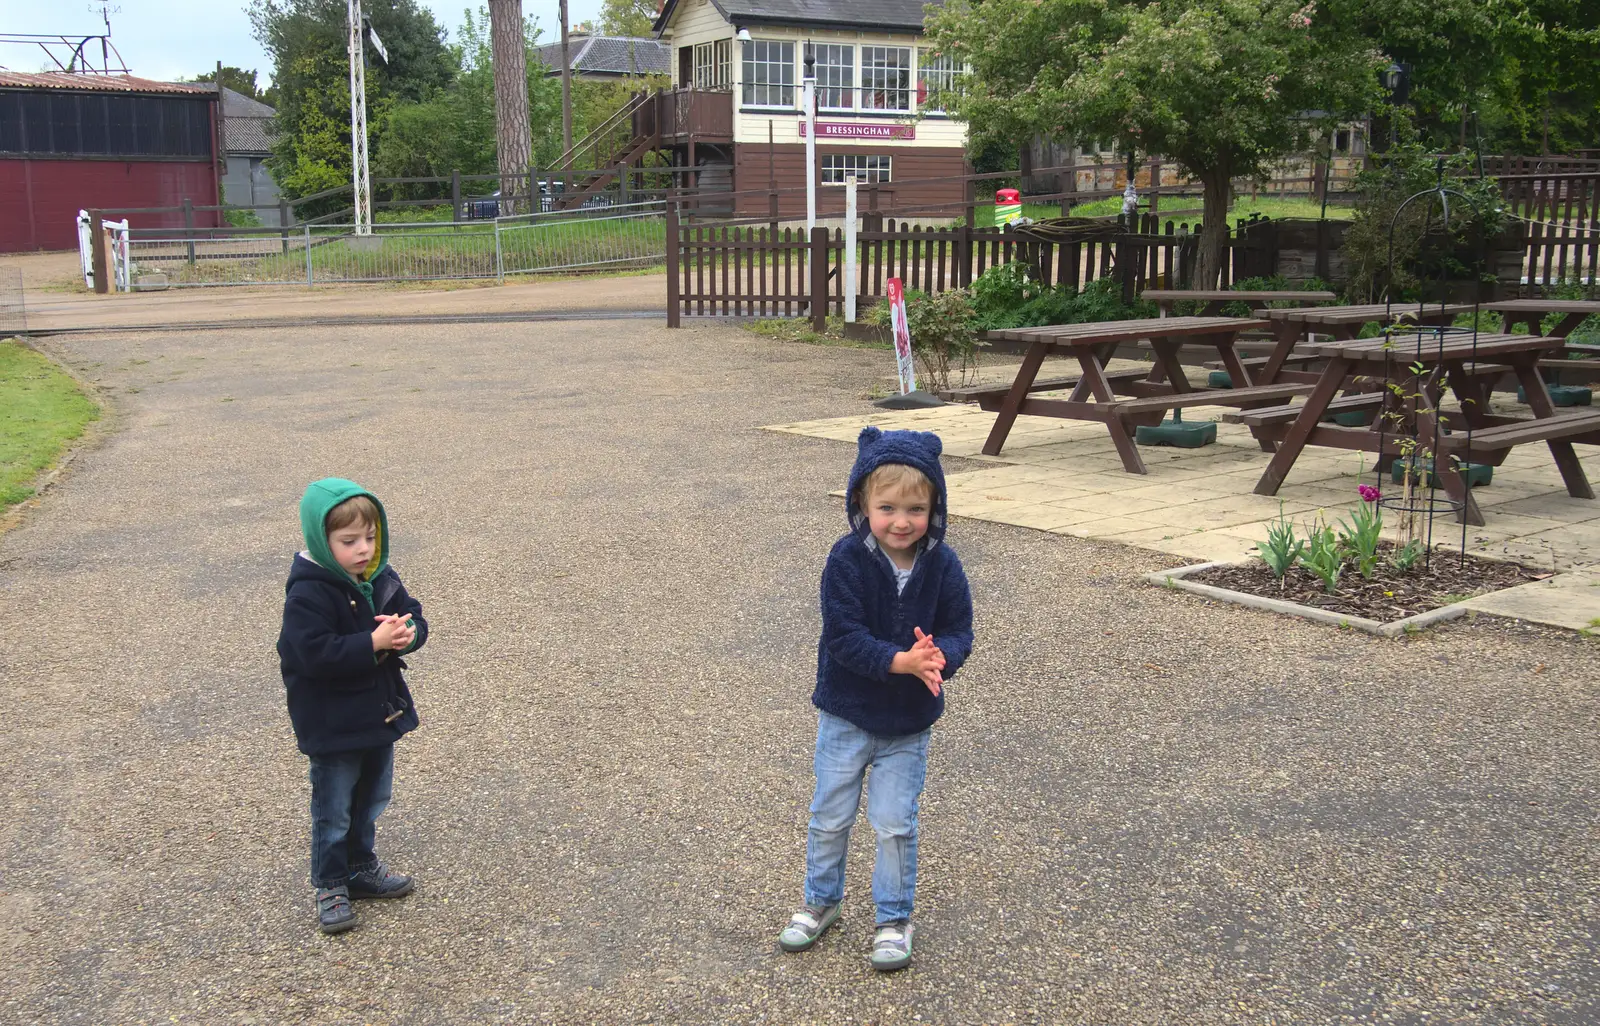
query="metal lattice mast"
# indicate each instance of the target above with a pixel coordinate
(361, 179)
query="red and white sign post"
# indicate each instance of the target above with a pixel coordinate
(902, 336)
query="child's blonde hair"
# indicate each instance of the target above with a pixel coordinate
(894, 477)
(356, 509)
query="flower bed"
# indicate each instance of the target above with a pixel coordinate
(1389, 594)
(1347, 574)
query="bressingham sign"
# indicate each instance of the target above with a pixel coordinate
(845, 130)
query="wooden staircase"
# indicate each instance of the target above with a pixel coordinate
(610, 149)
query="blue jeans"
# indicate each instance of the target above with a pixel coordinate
(899, 768)
(349, 791)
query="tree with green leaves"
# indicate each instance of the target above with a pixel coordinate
(455, 129)
(1522, 74)
(1222, 87)
(627, 17)
(239, 80)
(306, 40)
(1554, 105)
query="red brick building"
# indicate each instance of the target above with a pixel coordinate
(79, 141)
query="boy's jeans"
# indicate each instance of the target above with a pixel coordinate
(899, 768)
(349, 790)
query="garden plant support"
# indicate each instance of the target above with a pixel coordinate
(1406, 504)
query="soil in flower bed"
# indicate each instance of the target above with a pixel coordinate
(1389, 595)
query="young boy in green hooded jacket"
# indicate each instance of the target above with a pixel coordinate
(347, 620)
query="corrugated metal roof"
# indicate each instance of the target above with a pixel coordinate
(246, 123)
(98, 83)
(611, 55)
(247, 135)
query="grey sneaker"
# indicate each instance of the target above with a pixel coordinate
(891, 946)
(334, 912)
(379, 881)
(806, 926)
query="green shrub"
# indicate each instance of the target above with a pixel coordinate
(1000, 292)
(243, 218)
(942, 334)
(1101, 300)
(1422, 249)
(1007, 296)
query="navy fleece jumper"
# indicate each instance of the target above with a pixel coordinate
(865, 621)
(342, 697)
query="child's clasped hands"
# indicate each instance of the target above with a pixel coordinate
(923, 659)
(396, 632)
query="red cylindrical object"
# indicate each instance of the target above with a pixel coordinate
(1007, 196)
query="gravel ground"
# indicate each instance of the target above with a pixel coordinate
(1142, 808)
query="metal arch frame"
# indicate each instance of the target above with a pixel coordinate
(76, 45)
(1443, 193)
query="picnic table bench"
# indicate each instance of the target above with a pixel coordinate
(1216, 299)
(1462, 363)
(1290, 327)
(1532, 312)
(1152, 392)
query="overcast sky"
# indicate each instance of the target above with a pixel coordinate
(167, 39)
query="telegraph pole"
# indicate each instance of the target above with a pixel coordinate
(566, 85)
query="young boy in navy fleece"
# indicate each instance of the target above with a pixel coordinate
(347, 620)
(896, 625)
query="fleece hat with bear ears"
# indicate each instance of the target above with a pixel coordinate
(919, 449)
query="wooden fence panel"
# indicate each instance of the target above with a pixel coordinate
(747, 271)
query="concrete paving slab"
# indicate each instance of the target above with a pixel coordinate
(1569, 600)
(1201, 502)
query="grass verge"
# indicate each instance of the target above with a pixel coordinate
(798, 329)
(42, 410)
(1243, 207)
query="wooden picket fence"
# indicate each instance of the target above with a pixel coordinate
(1561, 213)
(761, 271)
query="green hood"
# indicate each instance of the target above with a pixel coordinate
(316, 504)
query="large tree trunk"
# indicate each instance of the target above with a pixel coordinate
(1213, 254)
(513, 136)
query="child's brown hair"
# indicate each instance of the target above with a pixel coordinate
(356, 509)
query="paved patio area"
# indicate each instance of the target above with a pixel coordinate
(1064, 477)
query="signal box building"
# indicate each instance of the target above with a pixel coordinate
(737, 70)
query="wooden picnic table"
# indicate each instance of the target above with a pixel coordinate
(1289, 327)
(1531, 312)
(1571, 359)
(1216, 299)
(1164, 387)
(1459, 362)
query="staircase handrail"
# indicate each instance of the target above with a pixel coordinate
(567, 160)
